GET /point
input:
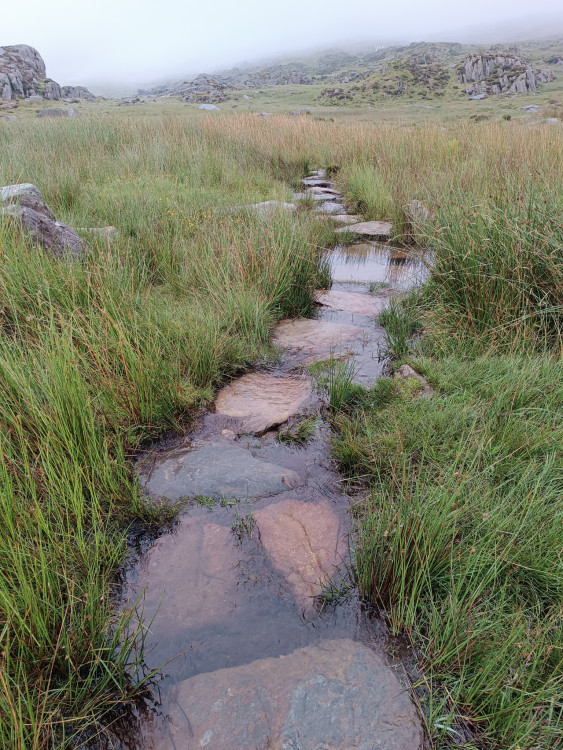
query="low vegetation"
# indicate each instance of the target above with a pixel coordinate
(460, 538)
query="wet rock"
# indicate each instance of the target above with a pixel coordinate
(406, 371)
(316, 182)
(259, 402)
(190, 577)
(352, 302)
(313, 336)
(267, 208)
(304, 544)
(331, 207)
(369, 229)
(338, 694)
(346, 218)
(220, 470)
(23, 205)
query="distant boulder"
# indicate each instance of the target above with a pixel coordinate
(58, 113)
(208, 107)
(24, 206)
(23, 74)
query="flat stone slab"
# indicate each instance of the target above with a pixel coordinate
(189, 578)
(337, 695)
(259, 402)
(304, 543)
(351, 302)
(323, 191)
(369, 229)
(346, 218)
(314, 336)
(316, 182)
(330, 207)
(217, 470)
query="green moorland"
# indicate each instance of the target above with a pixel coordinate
(459, 531)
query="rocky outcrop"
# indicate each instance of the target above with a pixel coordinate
(488, 73)
(24, 207)
(23, 74)
(77, 92)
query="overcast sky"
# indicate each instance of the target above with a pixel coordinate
(142, 41)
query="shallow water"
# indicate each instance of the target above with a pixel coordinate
(213, 595)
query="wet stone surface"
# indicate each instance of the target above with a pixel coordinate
(259, 402)
(217, 470)
(351, 302)
(336, 695)
(305, 544)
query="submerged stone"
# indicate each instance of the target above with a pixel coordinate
(259, 402)
(369, 229)
(304, 543)
(217, 470)
(360, 304)
(313, 336)
(338, 694)
(189, 578)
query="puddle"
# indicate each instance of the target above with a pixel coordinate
(370, 262)
(234, 618)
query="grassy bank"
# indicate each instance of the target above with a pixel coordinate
(460, 532)
(99, 356)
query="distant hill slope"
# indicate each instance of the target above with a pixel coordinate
(425, 70)
(23, 74)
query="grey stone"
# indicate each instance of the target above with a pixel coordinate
(336, 695)
(530, 108)
(267, 208)
(369, 229)
(406, 371)
(477, 97)
(34, 98)
(53, 113)
(217, 470)
(24, 206)
(208, 107)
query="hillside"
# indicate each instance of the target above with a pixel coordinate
(419, 70)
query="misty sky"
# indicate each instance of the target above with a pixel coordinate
(143, 41)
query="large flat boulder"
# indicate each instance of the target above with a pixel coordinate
(305, 544)
(220, 470)
(267, 208)
(369, 229)
(259, 401)
(337, 695)
(351, 302)
(24, 206)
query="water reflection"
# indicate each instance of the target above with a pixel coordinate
(371, 262)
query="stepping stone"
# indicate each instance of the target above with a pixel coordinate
(190, 578)
(259, 402)
(347, 218)
(304, 544)
(316, 182)
(369, 229)
(323, 191)
(351, 302)
(313, 336)
(218, 470)
(337, 695)
(331, 207)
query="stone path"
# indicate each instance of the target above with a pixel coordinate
(262, 665)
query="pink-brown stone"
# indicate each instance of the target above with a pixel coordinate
(351, 302)
(304, 543)
(259, 401)
(336, 695)
(369, 229)
(316, 337)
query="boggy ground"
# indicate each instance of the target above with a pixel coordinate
(98, 357)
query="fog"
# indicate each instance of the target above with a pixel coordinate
(139, 42)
